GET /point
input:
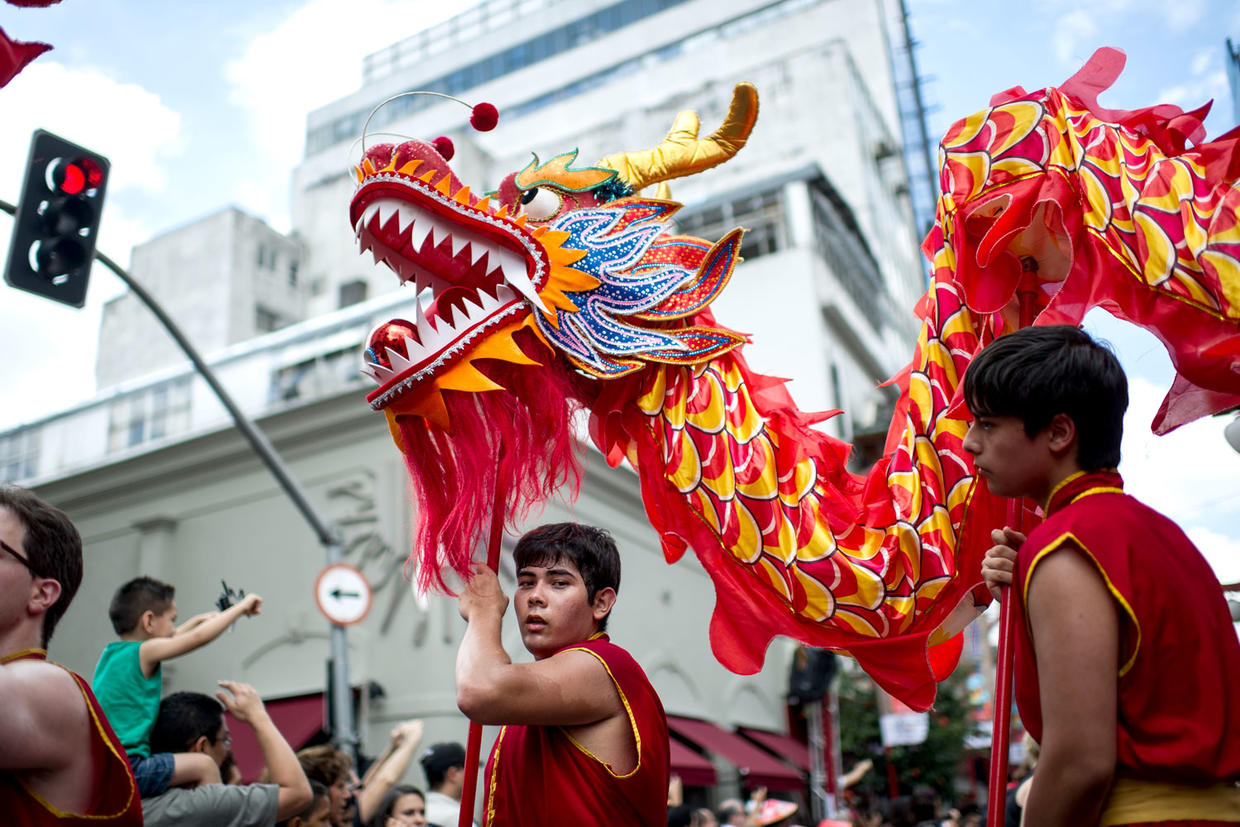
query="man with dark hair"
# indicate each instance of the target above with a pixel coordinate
(60, 762)
(444, 766)
(584, 738)
(194, 723)
(1126, 662)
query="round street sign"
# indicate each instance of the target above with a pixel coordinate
(342, 594)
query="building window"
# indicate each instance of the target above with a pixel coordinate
(352, 292)
(149, 414)
(571, 35)
(266, 320)
(19, 454)
(292, 274)
(266, 259)
(762, 216)
(839, 241)
(318, 376)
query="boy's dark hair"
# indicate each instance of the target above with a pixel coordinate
(136, 598)
(52, 545)
(590, 549)
(183, 718)
(1037, 372)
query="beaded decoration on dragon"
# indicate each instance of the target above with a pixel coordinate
(567, 290)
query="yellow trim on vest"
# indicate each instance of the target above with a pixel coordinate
(637, 736)
(21, 653)
(499, 740)
(1134, 801)
(1046, 506)
(133, 787)
(1119, 598)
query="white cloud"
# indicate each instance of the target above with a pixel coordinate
(122, 121)
(1191, 474)
(1073, 28)
(1182, 14)
(1222, 551)
(310, 59)
(1204, 61)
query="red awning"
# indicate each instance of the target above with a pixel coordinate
(298, 719)
(758, 768)
(693, 769)
(784, 746)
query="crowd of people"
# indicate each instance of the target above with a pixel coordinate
(1126, 663)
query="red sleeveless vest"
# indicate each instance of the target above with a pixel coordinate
(114, 797)
(1179, 676)
(537, 775)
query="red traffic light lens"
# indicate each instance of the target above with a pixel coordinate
(74, 177)
(92, 171)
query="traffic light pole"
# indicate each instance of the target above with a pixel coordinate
(345, 736)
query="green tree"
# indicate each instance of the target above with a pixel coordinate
(934, 763)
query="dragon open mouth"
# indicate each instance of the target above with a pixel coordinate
(482, 266)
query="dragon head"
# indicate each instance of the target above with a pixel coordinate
(562, 264)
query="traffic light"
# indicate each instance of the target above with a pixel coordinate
(53, 240)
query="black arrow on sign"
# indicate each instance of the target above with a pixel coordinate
(337, 593)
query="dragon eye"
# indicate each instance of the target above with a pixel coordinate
(541, 204)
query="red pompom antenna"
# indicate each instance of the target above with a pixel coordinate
(443, 145)
(484, 117)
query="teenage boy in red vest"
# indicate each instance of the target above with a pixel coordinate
(584, 738)
(1127, 664)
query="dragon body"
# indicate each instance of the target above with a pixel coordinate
(567, 291)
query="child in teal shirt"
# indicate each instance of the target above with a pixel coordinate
(128, 679)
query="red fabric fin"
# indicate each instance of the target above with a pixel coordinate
(15, 55)
(1186, 402)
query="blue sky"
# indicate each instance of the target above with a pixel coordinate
(201, 105)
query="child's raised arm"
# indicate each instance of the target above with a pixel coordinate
(159, 649)
(1000, 560)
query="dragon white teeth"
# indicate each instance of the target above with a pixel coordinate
(407, 214)
(387, 208)
(438, 231)
(459, 240)
(441, 334)
(417, 233)
(513, 268)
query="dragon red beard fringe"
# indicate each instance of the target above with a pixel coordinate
(521, 438)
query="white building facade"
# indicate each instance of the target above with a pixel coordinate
(832, 268)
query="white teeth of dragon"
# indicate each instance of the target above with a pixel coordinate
(419, 224)
(435, 335)
(513, 268)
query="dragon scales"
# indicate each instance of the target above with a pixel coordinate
(567, 290)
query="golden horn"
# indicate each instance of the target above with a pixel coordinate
(682, 153)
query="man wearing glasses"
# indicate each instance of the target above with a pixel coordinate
(60, 762)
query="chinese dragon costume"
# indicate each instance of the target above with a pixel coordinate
(568, 290)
